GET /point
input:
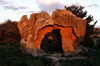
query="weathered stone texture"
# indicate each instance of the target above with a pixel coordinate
(72, 30)
(66, 18)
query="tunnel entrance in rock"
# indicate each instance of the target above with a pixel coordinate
(52, 42)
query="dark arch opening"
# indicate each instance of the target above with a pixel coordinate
(52, 42)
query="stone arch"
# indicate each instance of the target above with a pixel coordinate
(41, 34)
(52, 42)
(68, 38)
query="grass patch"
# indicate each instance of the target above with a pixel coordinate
(47, 61)
(11, 55)
(80, 62)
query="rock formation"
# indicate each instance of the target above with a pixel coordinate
(33, 31)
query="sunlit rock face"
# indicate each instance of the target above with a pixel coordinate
(62, 31)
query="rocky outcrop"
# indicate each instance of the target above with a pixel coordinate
(33, 31)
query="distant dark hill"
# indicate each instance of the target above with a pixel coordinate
(96, 29)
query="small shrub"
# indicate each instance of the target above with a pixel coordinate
(9, 33)
(98, 48)
(22, 63)
(80, 62)
(47, 61)
(88, 42)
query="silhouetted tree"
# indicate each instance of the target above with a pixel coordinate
(78, 11)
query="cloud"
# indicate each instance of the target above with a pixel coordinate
(92, 5)
(15, 7)
(46, 2)
(78, 4)
(5, 1)
(31, 11)
(51, 5)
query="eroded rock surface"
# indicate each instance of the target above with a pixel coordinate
(33, 31)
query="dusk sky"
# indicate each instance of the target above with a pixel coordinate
(15, 9)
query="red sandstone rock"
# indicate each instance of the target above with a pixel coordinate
(72, 30)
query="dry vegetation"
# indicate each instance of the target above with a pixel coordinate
(9, 32)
